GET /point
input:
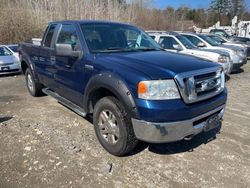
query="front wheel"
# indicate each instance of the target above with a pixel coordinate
(113, 127)
(34, 87)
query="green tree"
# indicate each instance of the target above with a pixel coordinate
(222, 8)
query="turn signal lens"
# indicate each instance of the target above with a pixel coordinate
(142, 88)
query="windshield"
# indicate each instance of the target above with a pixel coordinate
(106, 37)
(217, 39)
(210, 41)
(13, 48)
(186, 42)
(4, 51)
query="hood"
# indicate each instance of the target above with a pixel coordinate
(242, 45)
(233, 47)
(153, 64)
(218, 51)
(7, 59)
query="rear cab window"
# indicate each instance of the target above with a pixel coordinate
(47, 41)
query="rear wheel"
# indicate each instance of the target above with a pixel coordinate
(113, 127)
(34, 87)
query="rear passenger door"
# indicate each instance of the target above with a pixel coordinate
(46, 59)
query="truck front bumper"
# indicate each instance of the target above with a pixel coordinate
(174, 131)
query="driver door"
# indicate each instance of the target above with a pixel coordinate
(70, 70)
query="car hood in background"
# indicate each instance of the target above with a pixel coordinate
(219, 51)
(7, 59)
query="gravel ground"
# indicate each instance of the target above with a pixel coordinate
(44, 144)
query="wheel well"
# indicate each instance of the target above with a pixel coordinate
(24, 66)
(97, 95)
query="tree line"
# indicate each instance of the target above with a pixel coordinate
(26, 19)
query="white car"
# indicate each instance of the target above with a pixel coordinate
(9, 64)
(174, 42)
(237, 54)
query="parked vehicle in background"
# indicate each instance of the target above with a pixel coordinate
(225, 41)
(174, 42)
(220, 32)
(237, 54)
(8, 61)
(13, 49)
(244, 40)
(134, 89)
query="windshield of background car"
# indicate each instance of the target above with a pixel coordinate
(209, 40)
(222, 33)
(218, 39)
(186, 42)
(13, 48)
(106, 37)
(4, 51)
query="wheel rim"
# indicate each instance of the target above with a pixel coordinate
(30, 82)
(108, 127)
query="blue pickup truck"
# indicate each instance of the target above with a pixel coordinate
(132, 88)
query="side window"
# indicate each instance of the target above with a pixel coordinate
(193, 39)
(68, 35)
(49, 35)
(168, 42)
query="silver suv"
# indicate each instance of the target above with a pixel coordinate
(174, 42)
(237, 54)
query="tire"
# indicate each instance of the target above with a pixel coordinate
(113, 127)
(34, 87)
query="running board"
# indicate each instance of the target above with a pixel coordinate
(65, 102)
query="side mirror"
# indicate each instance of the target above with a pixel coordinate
(201, 45)
(66, 51)
(177, 47)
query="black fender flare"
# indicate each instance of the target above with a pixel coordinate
(29, 64)
(115, 85)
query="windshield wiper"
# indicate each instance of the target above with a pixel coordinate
(149, 49)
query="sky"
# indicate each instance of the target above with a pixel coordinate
(190, 3)
(177, 3)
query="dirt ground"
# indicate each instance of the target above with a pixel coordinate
(44, 144)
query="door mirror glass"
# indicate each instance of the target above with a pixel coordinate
(177, 47)
(66, 50)
(201, 45)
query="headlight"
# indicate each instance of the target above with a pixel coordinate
(240, 53)
(222, 59)
(221, 75)
(158, 90)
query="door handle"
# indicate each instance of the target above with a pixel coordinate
(68, 66)
(52, 59)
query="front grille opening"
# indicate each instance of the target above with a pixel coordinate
(204, 119)
(198, 87)
(205, 76)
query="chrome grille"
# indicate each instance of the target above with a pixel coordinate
(195, 86)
